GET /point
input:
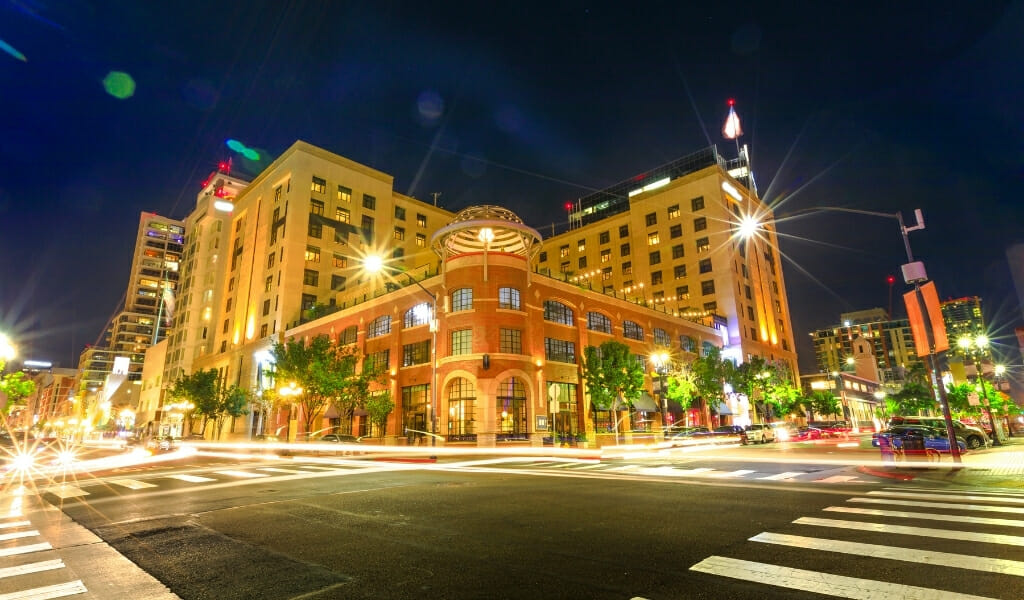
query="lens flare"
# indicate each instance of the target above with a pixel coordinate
(119, 85)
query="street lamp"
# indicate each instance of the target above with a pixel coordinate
(660, 360)
(981, 342)
(7, 349)
(373, 263)
(998, 373)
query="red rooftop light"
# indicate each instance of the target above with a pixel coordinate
(730, 102)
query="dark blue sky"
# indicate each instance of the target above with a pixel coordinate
(873, 106)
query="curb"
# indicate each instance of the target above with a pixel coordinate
(885, 474)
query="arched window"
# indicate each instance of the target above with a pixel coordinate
(348, 335)
(632, 331)
(461, 410)
(462, 299)
(688, 343)
(379, 326)
(661, 337)
(510, 410)
(556, 312)
(417, 315)
(598, 322)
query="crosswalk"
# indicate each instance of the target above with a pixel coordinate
(696, 472)
(890, 544)
(21, 566)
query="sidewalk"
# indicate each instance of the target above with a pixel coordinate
(1000, 466)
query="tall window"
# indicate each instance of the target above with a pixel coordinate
(461, 410)
(369, 202)
(675, 231)
(340, 261)
(700, 223)
(315, 230)
(462, 299)
(705, 265)
(687, 343)
(379, 326)
(683, 292)
(310, 277)
(627, 268)
(556, 312)
(376, 362)
(707, 287)
(679, 271)
(623, 231)
(316, 207)
(598, 322)
(308, 301)
(421, 220)
(399, 233)
(414, 409)
(656, 278)
(416, 353)
(651, 219)
(348, 335)
(673, 211)
(606, 255)
(581, 245)
(654, 258)
(653, 239)
(343, 215)
(632, 331)
(344, 194)
(461, 342)
(508, 298)
(367, 227)
(604, 237)
(399, 213)
(312, 254)
(697, 203)
(703, 245)
(510, 341)
(510, 409)
(319, 185)
(417, 315)
(661, 337)
(562, 402)
(624, 250)
(559, 350)
(677, 251)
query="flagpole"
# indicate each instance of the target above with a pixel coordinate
(159, 314)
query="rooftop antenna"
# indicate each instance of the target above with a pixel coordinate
(436, 195)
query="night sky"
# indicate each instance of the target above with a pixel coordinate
(871, 106)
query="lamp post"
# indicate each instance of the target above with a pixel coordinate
(998, 373)
(660, 361)
(291, 391)
(980, 342)
(842, 392)
(375, 264)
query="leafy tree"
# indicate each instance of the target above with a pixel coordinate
(822, 402)
(200, 389)
(914, 398)
(710, 373)
(610, 372)
(15, 386)
(959, 403)
(680, 386)
(378, 407)
(325, 371)
(232, 402)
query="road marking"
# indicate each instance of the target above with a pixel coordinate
(739, 473)
(821, 583)
(35, 567)
(697, 471)
(973, 498)
(975, 507)
(279, 470)
(786, 475)
(242, 474)
(14, 524)
(929, 557)
(969, 536)
(319, 468)
(59, 590)
(25, 549)
(594, 466)
(132, 484)
(837, 479)
(928, 516)
(65, 491)
(191, 478)
(954, 492)
(18, 535)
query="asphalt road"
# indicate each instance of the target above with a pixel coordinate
(217, 528)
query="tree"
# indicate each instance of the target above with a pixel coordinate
(680, 386)
(231, 402)
(612, 372)
(914, 398)
(710, 373)
(959, 402)
(325, 371)
(200, 389)
(378, 407)
(822, 402)
(15, 386)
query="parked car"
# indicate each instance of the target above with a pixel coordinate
(805, 434)
(684, 434)
(974, 437)
(338, 438)
(724, 431)
(759, 432)
(935, 440)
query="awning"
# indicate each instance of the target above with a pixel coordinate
(645, 403)
(331, 412)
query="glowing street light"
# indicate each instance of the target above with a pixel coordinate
(7, 349)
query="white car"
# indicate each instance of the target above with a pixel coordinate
(760, 432)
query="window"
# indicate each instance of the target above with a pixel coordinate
(399, 213)
(703, 245)
(697, 203)
(378, 327)
(270, 259)
(633, 331)
(339, 261)
(673, 211)
(462, 299)
(369, 202)
(687, 343)
(344, 194)
(421, 220)
(677, 251)
(377, 362)
(343, 215)
(604, 237)
(399, 233)
(627, 268)
(655, 257)
(417, 315)
(653, 239)
(606, 274)
(746, 292)
(510, 406)
(337, 283)
(416, 353)
(563, 251)
(559, 350)
(581, 246)
(263, 330)
(462, 342)
(707, 287)
(556, 312)
(269, 283)
(508, 298)
(227, 324)
(316, 230)
(461, 410)
(227, 307)
(312, 254)
(675, 231)
(710, 306)
(543, 257)
(623, 231)
(582, 261)
(661, 337)
(367, 227)
(278, 192)
(651, 219)
(308, 301)
(750, 313)
(421, 240)
(319, 185)
(624, 250)
(348, 335)
(564, 266)
(606, 256)
(705, 265)
(266, 307)
(679, 271)
(510, 341)
(700, 223)
(316, 207)
(599, 322)
(310, 277)
(656, 278)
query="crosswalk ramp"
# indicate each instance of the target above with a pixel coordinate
(682, 472)
(889, 544)
(25, 574)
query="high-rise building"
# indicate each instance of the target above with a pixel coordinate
(687, 238)
(891, 344)
(964, 324)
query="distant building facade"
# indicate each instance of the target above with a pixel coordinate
(892, 348)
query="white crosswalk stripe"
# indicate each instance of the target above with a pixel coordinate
(66, 491)
(786, 475)
(884, 510)
(242, 474)
(190, 478)
(132, 484)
